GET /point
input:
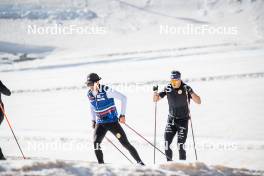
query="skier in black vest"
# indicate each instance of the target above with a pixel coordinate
(3, 90)
(178, 95)
(105, 116)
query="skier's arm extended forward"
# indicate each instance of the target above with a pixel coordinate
(158, 96)
(4, 89)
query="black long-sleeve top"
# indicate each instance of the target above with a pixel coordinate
(4, 90)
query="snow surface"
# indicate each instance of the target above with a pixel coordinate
(46, 73)
(69, 168)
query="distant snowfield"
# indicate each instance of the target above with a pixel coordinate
(50, 111)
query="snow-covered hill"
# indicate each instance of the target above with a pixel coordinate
(134, 25)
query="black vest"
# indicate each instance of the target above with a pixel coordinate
(177, 100)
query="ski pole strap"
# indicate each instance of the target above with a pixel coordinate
(147, 141)
(118, 149)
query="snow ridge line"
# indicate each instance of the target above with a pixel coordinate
(150, 83)
(195, 47)
(157, 13)
(173, 53)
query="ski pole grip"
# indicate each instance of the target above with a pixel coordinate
(155, 88)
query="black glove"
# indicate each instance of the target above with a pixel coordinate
(189, 89)
(93, 124)
(155, 88)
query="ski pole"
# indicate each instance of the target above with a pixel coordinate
(146, 140)
(2, 109)
(155, 89)
(194, 145)
(193, 140)
(118, 149)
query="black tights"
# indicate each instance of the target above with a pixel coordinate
(174, 127)
(117, 130)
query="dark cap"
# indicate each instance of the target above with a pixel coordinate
(92, 78)
(175, 75)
